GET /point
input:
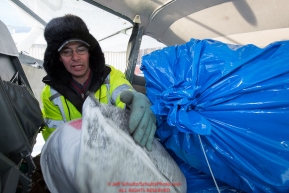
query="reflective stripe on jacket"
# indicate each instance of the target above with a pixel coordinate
(57, 109)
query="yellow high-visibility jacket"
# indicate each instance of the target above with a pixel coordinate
(58, 109)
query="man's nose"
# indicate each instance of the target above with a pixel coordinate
(75, 55)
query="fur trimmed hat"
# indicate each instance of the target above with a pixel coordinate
(61, 29)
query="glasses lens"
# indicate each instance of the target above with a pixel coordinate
(66, 52)
(81, 50)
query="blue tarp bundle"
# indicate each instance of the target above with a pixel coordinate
(236, 98)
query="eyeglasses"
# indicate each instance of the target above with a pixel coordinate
(68, 51)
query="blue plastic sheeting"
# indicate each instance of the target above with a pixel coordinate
(236, 98)
(199, 182)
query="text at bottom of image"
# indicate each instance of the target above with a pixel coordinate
(143, 186)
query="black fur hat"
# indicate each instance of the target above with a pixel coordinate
(57, 31)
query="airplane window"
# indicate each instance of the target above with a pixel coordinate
(147, 46)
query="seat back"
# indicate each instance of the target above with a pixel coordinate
(20, 120)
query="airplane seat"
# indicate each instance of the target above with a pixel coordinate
(138, 83)
(20, 119)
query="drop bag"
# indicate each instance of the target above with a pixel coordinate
(229, 101)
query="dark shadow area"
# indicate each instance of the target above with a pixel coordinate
(245, 11)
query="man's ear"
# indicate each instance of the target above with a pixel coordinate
(60, 59)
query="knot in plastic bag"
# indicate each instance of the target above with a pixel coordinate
(178, 105)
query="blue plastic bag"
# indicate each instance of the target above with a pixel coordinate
(232, 100)
(199, 182)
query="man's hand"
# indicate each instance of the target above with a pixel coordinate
(142, 122)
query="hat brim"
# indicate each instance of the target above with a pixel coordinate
(72, 40)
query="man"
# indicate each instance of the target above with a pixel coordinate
(75, 66)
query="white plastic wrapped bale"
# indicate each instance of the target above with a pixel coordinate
(97, 154)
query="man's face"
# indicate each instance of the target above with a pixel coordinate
(77, 64)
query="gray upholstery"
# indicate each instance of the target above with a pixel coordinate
(7, 45)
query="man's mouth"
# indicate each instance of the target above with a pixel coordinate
(77, 67)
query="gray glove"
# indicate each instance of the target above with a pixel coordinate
(142, 122)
